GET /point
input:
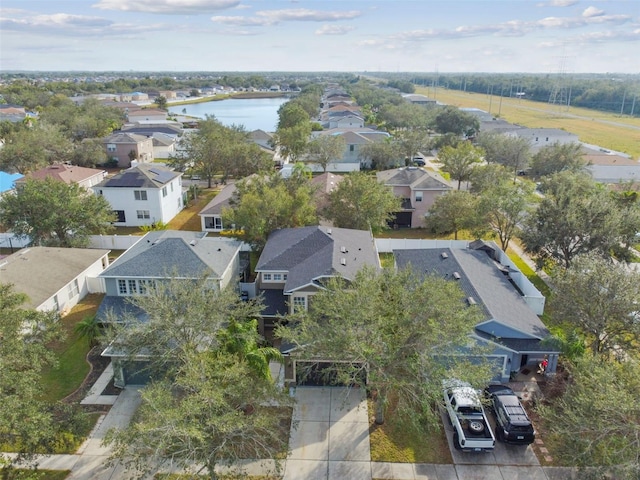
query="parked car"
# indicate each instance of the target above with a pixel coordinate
(471, 430)
(512, 422)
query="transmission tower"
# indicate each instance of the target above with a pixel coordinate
(560, 96)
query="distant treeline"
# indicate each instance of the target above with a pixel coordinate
(610, 93)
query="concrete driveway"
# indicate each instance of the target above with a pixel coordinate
(331, 439)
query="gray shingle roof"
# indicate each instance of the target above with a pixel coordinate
(221, 200)
(416, 177)
(308, 253)
(480, 278)
(167, 253)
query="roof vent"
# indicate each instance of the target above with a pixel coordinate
(328, 231)
(193, 243)
(456, 275)
(343, 261)
(444, 255)
(343, 249)
(471, 301)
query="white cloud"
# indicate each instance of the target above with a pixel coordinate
(592, 12)
(557, 3)
(167, 6)
(334, 30)
(274, 17)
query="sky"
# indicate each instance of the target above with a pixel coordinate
(546, 36)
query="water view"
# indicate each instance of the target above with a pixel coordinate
(253, 113)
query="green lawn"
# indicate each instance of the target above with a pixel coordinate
(390, 443)
(72, 368)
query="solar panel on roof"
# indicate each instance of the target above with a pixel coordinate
(163, 177)
(127, 179)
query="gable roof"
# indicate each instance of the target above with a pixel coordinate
(417, 178)
(309, 253)
(64, 173)
(169, 253)
(143, 175)
(125, 138)
(53, 267)
(221, 200)
(480, 278)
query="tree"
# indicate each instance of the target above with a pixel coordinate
(575, 216)
(207, 403)
(88, 328)
(89, 153)
(51, 212)
(511, 151)
(600, 298)
(558, 157)
(30, 148)
(393, 329)
(218, 150)
(506, 206)
(596, 417)
(451, 119)
(410, 142)
(460, 161)
(161, 102)
(362, 203)
(326, 148)
(380, 155)
(484, 177)
(264, 204)
(25, 419)
(294, 129)
(404, 116)
(457, 210)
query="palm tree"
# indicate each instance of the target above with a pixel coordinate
(241, 338)
(88, 328)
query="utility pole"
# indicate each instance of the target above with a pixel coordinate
(624, 96)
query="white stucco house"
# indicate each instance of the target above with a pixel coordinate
(143, 195)
(63, 275)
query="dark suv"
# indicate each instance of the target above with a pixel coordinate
(512, 422)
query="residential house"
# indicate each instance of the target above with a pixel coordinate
(53, 278)
(126, 147)
(323, 185)
(418, 188)
(295, 262)
(164, 146)
(542, 137)
(157, 257)
(143, 195)
(418, 99)
(147, 114)
(355, 139)
(67, 173)
(7, 181)
(611, 167)
(262, 138)
(345, 120)
(211, 214)
(151, 127)
(510, 328)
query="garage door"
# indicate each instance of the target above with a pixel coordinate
(326, 373)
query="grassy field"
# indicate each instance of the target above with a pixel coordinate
(72, 367)
(616, 132)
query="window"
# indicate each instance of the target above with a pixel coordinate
(352, 148)
(56, 304)
(111, 147)
(277, 277)
(299, 303)
(284, 276)
(164, 191)
(418, 196)
(99, 192)
(133, 287)
(213, 223)
(140, 194)
(143, 213)
(74, 289)
(266, 277)
(122, 287)
(172, 186)
(121, 218)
